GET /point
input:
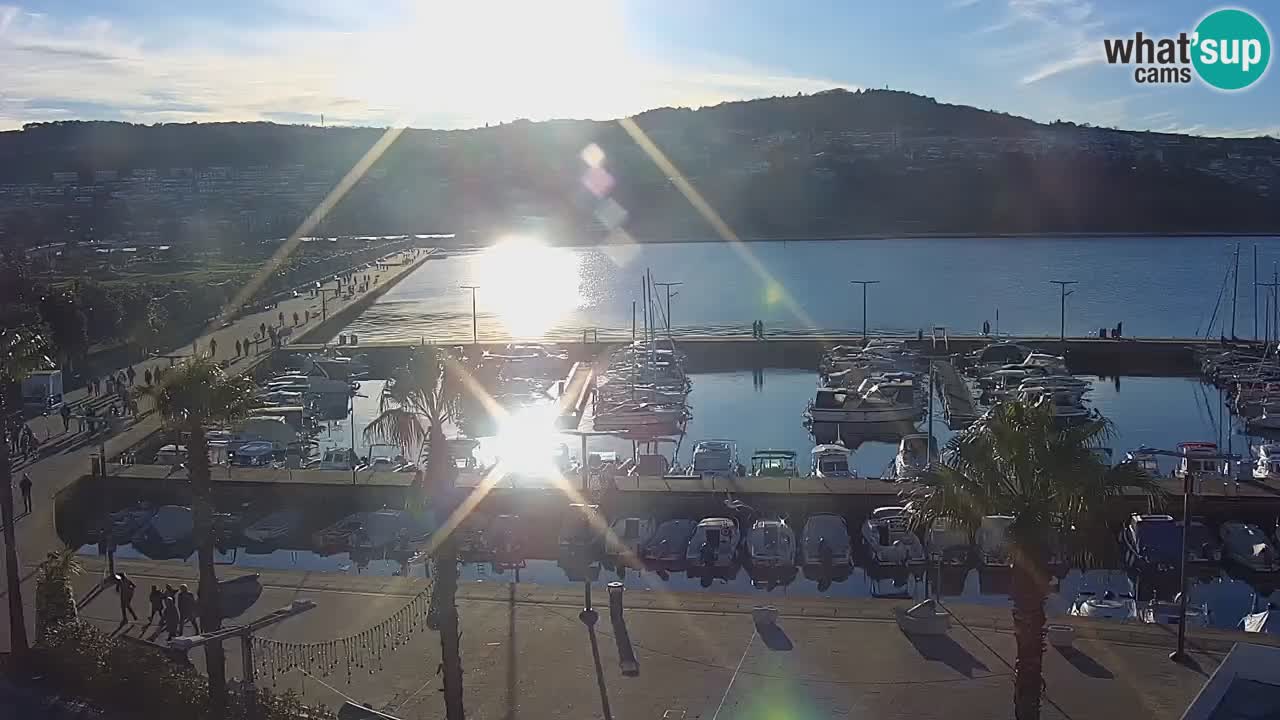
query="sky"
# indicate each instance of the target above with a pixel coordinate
(445, 64)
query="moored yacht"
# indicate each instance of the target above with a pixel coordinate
(915, 453)
(715, 458)
(825, 542)
(1247, 546)
(714, 543)
(948, 543)
(771, 543)
(669, 542)
(774, 463)
(889, 540)
(871, 402)
(1152, 543)
(1267, 466)
(831, 461)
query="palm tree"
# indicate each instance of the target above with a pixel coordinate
(414, 407)
(191, 396)
(1018, 461)
(22, 349)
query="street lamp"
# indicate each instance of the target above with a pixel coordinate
(1062, 310)
(474, 334)
(864, 284)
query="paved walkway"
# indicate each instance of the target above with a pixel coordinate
(700, 656)
(65, 456)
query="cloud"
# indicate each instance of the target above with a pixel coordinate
(1052, 37)
(456, 65)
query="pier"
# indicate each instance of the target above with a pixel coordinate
(954, 393)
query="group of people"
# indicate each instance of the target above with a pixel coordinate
(114, 384)
(173, 608)
(22, 442)
(757, 329)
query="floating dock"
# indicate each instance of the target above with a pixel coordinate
(957, 400)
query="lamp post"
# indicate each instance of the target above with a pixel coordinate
(1180, 654)
(474, 333)
(864, 284)
(1062, 308)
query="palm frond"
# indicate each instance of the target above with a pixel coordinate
(399, 426)
(199, 391)
(23, 349)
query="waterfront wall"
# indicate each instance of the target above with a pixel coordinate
(341, 316)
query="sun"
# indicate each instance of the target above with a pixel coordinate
(528, 445)
(528, 285)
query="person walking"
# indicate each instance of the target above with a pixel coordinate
(131, 374)
(24, 486)
(65, 412)
(157, 605)
(213, 347)
(125, 586)
(187, 609)
(146, 376)
(170, 617)
(237, 347)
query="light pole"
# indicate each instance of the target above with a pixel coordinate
(1180, 655)
(668, 286)
(864, 284)
(1062, 309)
(474, 334)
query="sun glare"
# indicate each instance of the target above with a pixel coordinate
(528, 285)
(528, 445)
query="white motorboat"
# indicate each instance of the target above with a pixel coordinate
(1110, 605)
(714, 543)
(1169, 612)
(340, 367)
(914, 456)
(831, 461)
(670, 541)
(340, 459)
(715, 458)
(276, 526)
(771, 543)
(1205, 462)
(1067, 403)
(825, 542)
(993, 541)
(1051, 363)
(384, 457)
(1267, 466)
(948, 543)
(1247, 546)
(640, 416)
(170, 525)
(889, 540)
(1055, 382)
(774, 463)
(1144, 458)
(630, 534)
(870, 403)
(254, 454)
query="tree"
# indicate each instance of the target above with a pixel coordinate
(193, 395)
(22, 349)
(55, 596)
(413, 409)
(1019, 461)
(68, 327)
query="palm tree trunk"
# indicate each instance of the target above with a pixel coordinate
(1028, 592)
(445, 591)
(210, 608)
(13, 581)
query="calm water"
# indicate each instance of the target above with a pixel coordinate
(1155, 286)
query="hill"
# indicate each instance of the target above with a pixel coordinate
(827, 164)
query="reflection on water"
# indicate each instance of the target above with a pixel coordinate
(594, 287)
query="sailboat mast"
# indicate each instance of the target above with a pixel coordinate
(1235, 290)
(1255, 292)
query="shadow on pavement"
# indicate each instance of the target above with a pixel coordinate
(1085, 663)
(941, 648)
(595, 656)
(511, 651)
(774, 637)
(238, 595)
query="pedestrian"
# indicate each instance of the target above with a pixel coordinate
(133, 406)
(195, 349)
(88, 386)
(213, 347)
(295, 319)
(24, 445)
(237, 347)
(262, 329)
(146, 376)
(187, 609)
(761, 329)
(306, 316)
(125, 587)
(170, 617)
(1119, 327)
(131, 374)
(65, 412)
(25, 487)
(157, 605)
(986, 327)
(281, 318)
(122, 382)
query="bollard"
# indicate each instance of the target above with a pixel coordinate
(627, 661)
(615, 601)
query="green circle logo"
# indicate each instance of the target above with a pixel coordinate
(1232, 49)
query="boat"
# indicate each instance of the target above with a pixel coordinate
(340, 367)
(170, 525)
(340, 459)
(1067, 403)
(1169, 612)
(388, 458)
(1110, 605)
(914, 456)
(995, 355)
(274, 527)
(714, 543)
(875, 400)
(948, 543)
(825, 542)
(1267, 621)
(1246, 545)
(669, 542)
(338, 536)
(993, 542)
(580, 533)
(1152, 542)
(1267, 466)
(385, 527)
(831, 461)
(124, 524)
(657, 418)
(774, 463)
(1269, 419)
(255, 453)
(1200, 458)
(629, 537)
(771, 544)
(715, 458)
(1203, 546)
(888, 539)
(1051, 363)
(1146, 459)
